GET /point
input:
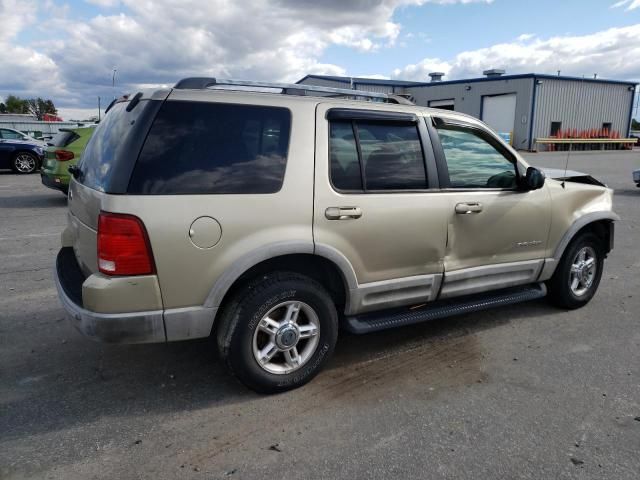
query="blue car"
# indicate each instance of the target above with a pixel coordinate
(20, 156)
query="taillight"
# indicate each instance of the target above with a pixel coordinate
(63, 155)
(123, 245)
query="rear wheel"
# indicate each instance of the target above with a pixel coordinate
(24, 162)
(578, 274)
(278, 332)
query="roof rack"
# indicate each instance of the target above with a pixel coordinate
(199, 83)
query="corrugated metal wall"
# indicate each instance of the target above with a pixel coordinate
(46, 128)
(470, 101)
(374, 88)
(321, 82)
(581, 105)
(577, 104)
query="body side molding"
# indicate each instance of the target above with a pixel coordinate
(485, 278)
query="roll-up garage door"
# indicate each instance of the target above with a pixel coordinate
(499, 112)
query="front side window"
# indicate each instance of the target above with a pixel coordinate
(473, 162)
(11, 135)
(212, 148)
(385, 156)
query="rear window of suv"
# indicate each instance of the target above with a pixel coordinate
(213, 148)
(63, 138)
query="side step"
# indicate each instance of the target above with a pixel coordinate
(373, 322)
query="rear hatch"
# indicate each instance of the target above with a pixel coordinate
(105, 168)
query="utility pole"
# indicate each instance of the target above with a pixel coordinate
(113, 81)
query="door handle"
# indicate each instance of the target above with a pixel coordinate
(468, 208)
(342, 213)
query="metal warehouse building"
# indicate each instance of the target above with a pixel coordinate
(526, 107)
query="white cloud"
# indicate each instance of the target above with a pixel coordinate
(160, 41)
(630, 4)
(610, 53)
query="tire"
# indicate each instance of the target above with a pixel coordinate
(256, 324)
(564, 292)
(24, 163)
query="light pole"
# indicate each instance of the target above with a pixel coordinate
(113, 81)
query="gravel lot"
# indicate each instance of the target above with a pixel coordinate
(526, 391)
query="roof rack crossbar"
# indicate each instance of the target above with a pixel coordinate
(287, 88)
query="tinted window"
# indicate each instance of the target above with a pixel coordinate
(473, 162)
(63, 138)
(390, 156)
(195, 148)
(345, 166)
(107, 145)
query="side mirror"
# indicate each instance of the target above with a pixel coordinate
(534, 179)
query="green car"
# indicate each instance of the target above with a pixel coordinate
(63, 151)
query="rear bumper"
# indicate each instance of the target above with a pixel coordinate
(50, 181)
(134, 327)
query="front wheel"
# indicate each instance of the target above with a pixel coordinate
(24, 162)
(278, 332)
(578, 274)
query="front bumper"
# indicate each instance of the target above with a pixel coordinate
(134, 327)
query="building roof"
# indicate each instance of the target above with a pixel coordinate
(368, 81)
(406, 83)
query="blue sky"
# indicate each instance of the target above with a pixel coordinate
(433, 30)
(66, 50)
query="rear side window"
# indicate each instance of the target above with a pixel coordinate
(385, 156)
(63, 138)
(210, 148)
(109, 145)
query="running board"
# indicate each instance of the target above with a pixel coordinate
(373, 322)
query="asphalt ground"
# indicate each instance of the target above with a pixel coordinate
(525, 391)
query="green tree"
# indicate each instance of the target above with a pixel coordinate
(3, 108)
(16, 104)
(635, 125)
(38, 107)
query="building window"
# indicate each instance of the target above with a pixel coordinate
(555, 128)
(606, 127)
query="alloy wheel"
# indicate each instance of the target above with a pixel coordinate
(286, 337)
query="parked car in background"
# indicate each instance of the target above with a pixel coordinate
(21, 156)
(636, 177)
(64, 150)
(12, 134)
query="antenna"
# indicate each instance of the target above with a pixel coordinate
(566, 164)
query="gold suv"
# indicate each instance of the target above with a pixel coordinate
(271, 215)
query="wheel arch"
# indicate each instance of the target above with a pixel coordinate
(323, 264)
(601, 223)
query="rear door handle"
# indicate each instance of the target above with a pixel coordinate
(468, 208)
(342, 213)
